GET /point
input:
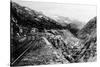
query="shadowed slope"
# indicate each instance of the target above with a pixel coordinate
(31, 18)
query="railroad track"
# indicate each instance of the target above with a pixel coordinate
(22, 54)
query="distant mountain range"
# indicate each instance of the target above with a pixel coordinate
(72, 24)
(66, 20)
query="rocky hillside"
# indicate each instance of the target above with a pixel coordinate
(88, 29)
(54, 42)
(32, 18)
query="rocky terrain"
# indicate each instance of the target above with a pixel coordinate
(55, 43)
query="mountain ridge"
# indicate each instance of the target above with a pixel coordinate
(34, 18)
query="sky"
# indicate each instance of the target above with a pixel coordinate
(74, 11)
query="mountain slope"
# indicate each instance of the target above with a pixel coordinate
(32, 18)
(88, 29)
(52, 42)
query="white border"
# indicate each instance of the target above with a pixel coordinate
(5, 32)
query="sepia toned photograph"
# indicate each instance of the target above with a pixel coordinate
(46, 33)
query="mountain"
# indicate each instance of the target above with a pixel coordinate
(51, 41)
(88, 29)
(73, 25)
(67, 20)
(32, 18)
